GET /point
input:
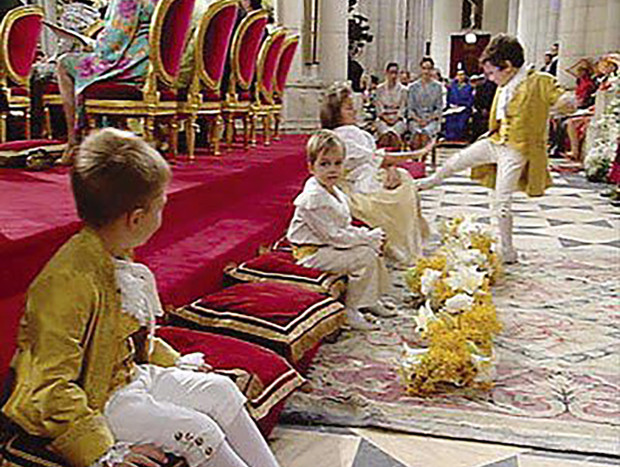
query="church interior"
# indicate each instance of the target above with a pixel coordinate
(467, 151)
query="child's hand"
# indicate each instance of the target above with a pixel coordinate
(377, 239)
(392, 178)
(144, 455)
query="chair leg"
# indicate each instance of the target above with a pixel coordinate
(267, 129)
(190, 135)
(230, 130)
(250, 121)
(27, 123)
(218, 127)
(47, 123)
(174, 137)
(3, 117)
(149, 129)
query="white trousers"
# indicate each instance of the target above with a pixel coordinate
(183, 412)
(368, 277)
(510, 164)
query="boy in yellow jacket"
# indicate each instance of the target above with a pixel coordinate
(514, 155)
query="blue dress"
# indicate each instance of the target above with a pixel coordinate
(459, 95)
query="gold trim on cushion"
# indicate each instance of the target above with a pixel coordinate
(271, 396)
(327, 283)
(300, 335)
(27, 456)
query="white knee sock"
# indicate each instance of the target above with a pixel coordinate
(244, 437)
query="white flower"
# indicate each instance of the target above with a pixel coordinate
(465, 278)
(460, 302)
(424, 317)
(429, 279)
(411, 358)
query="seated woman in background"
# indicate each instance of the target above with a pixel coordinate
(121, 52)
(460, 94)
(381, 195)
(424, 105)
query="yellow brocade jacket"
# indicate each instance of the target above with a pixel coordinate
(74, 350)
(525, 129)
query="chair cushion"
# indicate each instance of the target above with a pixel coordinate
(282, 317)
(416, 169)
(275, 376)
(51, 88)
(19, 91)
(122, 91)
(280, 266)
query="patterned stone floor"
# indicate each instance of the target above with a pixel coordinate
(571, 216)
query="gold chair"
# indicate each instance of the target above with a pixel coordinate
(20, 30)
(244, 51)
(279, 80)
(262, 107)
(156, 98)
(212, 42)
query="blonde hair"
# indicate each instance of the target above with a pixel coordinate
(114, 173)
(323, 141)
(332, 104)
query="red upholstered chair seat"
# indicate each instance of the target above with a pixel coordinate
(280, 266)
(19, 91)
(275, 377)
(416, 169)
(123, 91)
(209, 95)
(51, 88)
(282, 317)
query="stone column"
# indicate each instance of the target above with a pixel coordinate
(538, 27)
(333, 40)
(495, 16)
(306, 83)
(446, 20)
(420, 31)
(513, 17)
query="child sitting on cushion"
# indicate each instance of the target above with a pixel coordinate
(90, 374)
(324, 238)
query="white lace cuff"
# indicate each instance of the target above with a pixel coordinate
(115, 455)
(190, 361)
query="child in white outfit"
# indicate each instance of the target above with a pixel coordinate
(323, 235)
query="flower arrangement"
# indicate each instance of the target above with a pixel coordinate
(604, 132)
(456, 316)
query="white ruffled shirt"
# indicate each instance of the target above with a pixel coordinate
(362, 159)
(507, 91)
(139, 298)
(323, 219)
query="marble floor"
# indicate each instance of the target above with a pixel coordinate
(572, 216)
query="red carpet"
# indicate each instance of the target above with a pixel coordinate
(219, 210)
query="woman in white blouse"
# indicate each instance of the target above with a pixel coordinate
(381, 194)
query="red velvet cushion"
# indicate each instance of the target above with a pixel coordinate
(28, 144)
(174, 34)
(278, 378)
(23, 39)
(51, 88)
(19, 91)
(284, 65)
(217, 41)
(271, 62)
(211, 96)
(121, 91)
(280, 266)
(248, 51)
(285, 318)
(416, 169)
